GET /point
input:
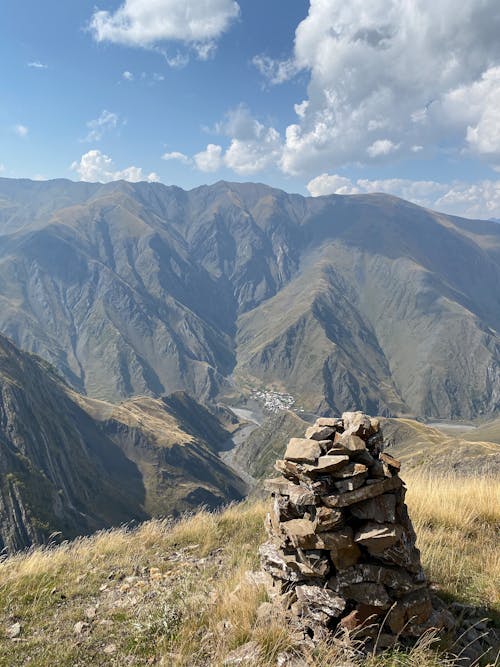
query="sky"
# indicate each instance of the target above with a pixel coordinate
(315, 97)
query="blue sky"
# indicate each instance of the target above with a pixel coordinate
(313, 97)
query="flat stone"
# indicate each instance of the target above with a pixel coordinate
(332, 422)
(351, 443)
(381, 509)
(319, 432)
(369, 593)
(328, 519)
(247, 654)
(316, 602)
(327, 463)
(393, 578)
(351, 484)
(364, 493)
(338, 539)
(302, 450)
(300, 532)
(377, 537)
(390, 461)
(291, 470)
(350, 470)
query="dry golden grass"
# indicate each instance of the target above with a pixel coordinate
(457, 521)
(197, 606)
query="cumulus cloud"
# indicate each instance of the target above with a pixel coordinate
(36, 64)
(106, 122)
(381, 147)
(252, 147)
(473, 200)
(477, 106)
(210, 159)
(128, 76)
(148, 23)
(391, 74)
(21, 130)
(95, 166)
(176, 155)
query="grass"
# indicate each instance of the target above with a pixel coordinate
(176, 594)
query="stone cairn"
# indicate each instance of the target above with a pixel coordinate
(341, 553)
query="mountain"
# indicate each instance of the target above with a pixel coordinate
(73, 465)
(345, 302)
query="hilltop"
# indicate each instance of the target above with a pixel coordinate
(177, 594)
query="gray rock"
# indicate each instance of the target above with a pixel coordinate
(319, 432)
(365, 492)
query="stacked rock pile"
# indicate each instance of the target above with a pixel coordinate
(341, 549)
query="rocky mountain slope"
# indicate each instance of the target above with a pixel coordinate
(345, 302)
(72, 465)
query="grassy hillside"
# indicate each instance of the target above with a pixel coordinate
(177, 595)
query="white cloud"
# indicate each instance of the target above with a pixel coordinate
(95, 166)
(477, 106)
(210, 159)
(176, 155)
(36, 64)
(21, 130)
(381, 147)
(128, 76)
(2, 168)
(146, 23)
(106, 121)
(275, 71)
(473, 200)
(253, 147)
(419, 74)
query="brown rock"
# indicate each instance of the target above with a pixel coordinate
(301, 533)
(345, 557)
(377, 537)
(315, 560)
(363, 616)
(327, 464)
(327, 519)
(302, 450)
(300, 496)
(319, 432)
(364, 493)
(369, 593)
(417, 606)
(332, 422)
(351, 484)
(351, 443)
(390, 461)
(349, 470)
(381, 509)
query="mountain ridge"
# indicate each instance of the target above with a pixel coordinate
(133, 289)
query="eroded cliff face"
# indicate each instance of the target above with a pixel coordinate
(70, 465)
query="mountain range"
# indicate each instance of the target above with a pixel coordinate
(362, 301)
